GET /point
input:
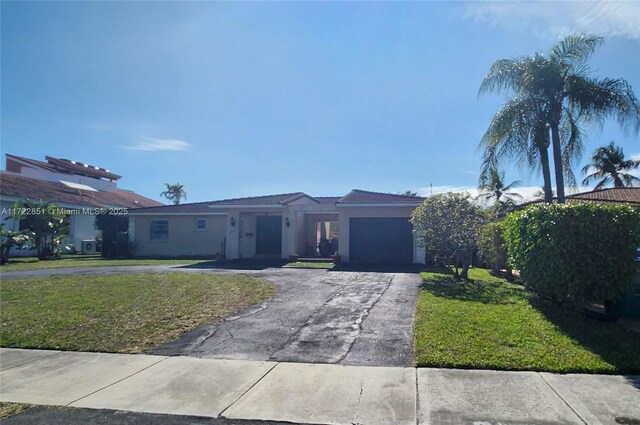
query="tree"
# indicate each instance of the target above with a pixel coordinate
(518, 132)
(447, 225)
(48, 222)
(174, 193)
(409, 192)
(12, 239)
(561, 81)
(493, 187)
(608, 165)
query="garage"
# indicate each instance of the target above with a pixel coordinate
(380, 240)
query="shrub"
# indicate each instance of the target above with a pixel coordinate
(447, 225)
(492, 247)
(574, 253)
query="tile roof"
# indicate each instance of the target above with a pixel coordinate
(625, 195)
(26, 187)
(187, 208)
(354, 197)
(281, 199)
(617, 195)
(357, 196)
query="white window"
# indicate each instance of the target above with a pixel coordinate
(159, 230)
(201, 224)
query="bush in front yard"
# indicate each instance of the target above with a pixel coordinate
(575, 253)
(491, 245)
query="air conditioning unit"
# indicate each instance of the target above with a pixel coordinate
(89, 246)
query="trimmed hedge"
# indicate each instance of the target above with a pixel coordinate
(578, 253)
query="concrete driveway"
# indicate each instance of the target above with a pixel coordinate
(318, 316)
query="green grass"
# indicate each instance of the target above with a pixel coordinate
(489, 323)
(10, 409)
(88, 260)
(310, 265)
(118, 313)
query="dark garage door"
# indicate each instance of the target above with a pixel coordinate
(380, 240)
(269, 235)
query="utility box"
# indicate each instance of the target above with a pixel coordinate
(89, 246)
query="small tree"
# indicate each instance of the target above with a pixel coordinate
(174, 193)
(447, 225)
(12, 239)
(47, 221)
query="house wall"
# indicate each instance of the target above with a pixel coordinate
(81, 227)
(184, 239)
(345, 213)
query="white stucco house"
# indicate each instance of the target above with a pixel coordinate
(71, 185)
(362, 226)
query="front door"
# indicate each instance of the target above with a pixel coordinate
(269, 235)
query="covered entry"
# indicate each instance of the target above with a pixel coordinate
(380, 240)
(269, 235)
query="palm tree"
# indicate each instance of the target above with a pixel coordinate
(493, 187)
(562, 82)
(174, 193)
(610, 166)
(518, 131)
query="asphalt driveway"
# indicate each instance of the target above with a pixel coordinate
(318, 316)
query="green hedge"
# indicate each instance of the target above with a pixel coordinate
(575, 253)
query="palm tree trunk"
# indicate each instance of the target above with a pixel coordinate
(546, 175)
(557, 161)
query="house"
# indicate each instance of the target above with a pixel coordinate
(74, 186)
(361, 226)
(612, 195)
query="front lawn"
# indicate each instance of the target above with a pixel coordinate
(118, 313)
(88, 260)
(489, 323)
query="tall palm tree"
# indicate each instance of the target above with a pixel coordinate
(174, 193)
(518, 131)
(610, 166)
(493, 187)
(561, 80)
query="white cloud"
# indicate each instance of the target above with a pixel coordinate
(558, 19)
(152, 144)
(635, 156)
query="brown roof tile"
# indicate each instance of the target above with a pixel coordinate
(26, 187)
(357, 196)
(625, 195)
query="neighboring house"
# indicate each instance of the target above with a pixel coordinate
(623, 195)
(361, 226)
(71, 185)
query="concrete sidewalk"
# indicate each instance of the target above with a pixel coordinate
(312, 393)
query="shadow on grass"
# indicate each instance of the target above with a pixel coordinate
(615, 344)
(441, 282)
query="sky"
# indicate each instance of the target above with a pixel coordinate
(254, 98)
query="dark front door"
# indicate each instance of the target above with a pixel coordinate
(269, 235)
(380, 240)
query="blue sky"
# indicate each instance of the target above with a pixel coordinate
(241, 99)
